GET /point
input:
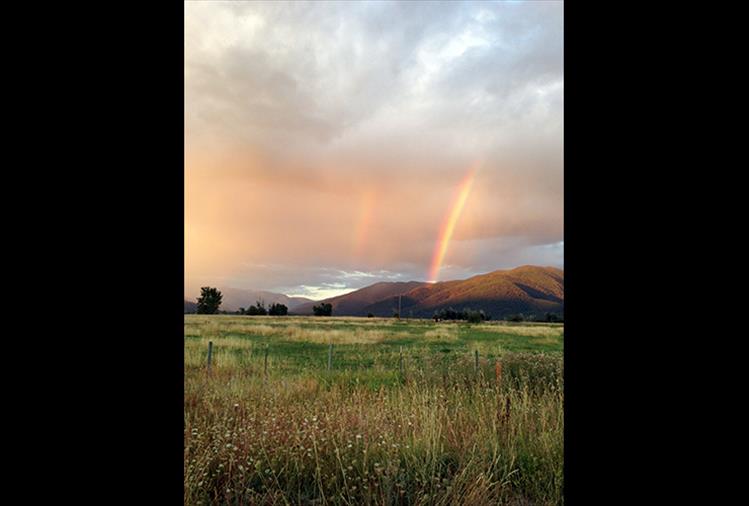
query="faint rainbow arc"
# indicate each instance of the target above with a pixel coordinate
(448, 225)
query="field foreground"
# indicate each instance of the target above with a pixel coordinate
(403, 415)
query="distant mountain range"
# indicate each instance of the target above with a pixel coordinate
(234, 298)
(528, 289)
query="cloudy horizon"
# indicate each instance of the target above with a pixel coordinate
(332, 145)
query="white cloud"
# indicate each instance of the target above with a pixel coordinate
(318, 292)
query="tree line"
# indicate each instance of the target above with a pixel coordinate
(259, 309)
(532, 317)
(466, 314)
(210, 299)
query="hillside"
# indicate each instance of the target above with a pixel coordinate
(355, 303)
(526, 289)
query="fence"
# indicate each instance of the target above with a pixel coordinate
(401, 363)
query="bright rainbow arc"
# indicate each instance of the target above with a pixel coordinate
(448, 226)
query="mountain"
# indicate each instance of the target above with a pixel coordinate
(355, 303)
(526, 289)
(234, 298)
(190, 307)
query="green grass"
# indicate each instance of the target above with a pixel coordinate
(440, 433)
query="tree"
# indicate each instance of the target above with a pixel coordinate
(473, 316)
(209, 300)
(278, 310)
(448, 314)
(241, 310)
(257, 309)
(324, 309)
(553, 317)
(465, 314)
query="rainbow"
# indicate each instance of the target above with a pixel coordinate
(448, 225)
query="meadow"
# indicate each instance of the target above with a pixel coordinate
(405, 414)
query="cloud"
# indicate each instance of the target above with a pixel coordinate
(317, 292)
(332, 136)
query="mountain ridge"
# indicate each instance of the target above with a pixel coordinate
(354, 302)
(525, 289)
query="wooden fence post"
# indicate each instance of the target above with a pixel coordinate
(210, 352)
(400, 363)
(498, 373)
(265, 369)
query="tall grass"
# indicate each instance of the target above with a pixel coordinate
(442, 433)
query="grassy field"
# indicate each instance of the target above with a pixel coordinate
(440, 432)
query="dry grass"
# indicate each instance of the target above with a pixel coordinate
(324, 336)
(294, 332)
(442, 334)
(361, 434)
(524, 330)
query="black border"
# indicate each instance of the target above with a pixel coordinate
(117, 73)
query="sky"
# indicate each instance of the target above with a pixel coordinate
(331, 145)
